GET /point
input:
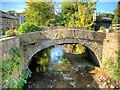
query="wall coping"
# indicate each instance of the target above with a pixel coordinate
(8, 38)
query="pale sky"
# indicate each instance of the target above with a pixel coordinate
(19, 5)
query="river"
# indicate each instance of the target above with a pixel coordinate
(73, 73)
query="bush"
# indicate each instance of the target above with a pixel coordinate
(28, 27)
(102, 28)
(80, 49)
(11, 32)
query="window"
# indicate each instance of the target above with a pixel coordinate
(8, 21)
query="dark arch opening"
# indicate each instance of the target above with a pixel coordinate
(91, 57)
(32, 64)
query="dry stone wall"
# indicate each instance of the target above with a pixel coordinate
(6, 44)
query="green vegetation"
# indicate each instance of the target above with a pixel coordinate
(109, 65)
(64, 60)
(28, 27)
(43, 64)
(11, 70)
(80, 49)
(116, 19)
(39, 12)
(67, 9)
(77, 48)
(77, 14)
(73, 14)
(43, 60)
(102, 28)
(8, 66)
(24, 76)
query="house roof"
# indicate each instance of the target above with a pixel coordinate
(106, 19)
(7, 15)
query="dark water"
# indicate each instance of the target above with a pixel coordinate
(75, 77)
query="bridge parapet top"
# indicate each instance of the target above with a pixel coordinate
(61, 34)
(62, 28)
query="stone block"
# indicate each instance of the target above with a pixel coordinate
(25, 39)
(84, 34)
(37, 36)
(100, 36)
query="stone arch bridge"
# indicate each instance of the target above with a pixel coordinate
(33, 42)
(104, 45)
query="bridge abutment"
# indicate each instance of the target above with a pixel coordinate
(111, 54)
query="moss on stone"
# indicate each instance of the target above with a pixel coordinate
(111, 65)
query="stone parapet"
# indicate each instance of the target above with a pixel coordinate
(61, 34)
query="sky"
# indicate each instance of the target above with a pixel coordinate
(105, 7)
(19, 5)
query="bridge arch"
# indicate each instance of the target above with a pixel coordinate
(93, 47)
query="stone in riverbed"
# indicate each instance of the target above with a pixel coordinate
(111, 86)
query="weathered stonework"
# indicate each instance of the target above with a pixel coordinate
(6, 44)
(100, 43)
(111, 46)
(111, 54)
(33, 42)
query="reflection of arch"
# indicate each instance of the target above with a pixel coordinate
(94, 47)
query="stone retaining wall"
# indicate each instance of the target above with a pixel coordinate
(111, 54)
(6, 44)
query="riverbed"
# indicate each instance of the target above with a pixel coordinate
(75, 77)
(78, 72)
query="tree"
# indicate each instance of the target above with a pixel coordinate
(116, 19)
(67, 9)
(77, 14)
(39, 12)
(109, 15)
(84, 16)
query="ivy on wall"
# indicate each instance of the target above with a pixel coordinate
(112, 67)
(11, 70)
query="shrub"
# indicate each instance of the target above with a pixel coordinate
(102, 28)
(10, 67)
(28, 27)
(80, 49)
(11, 32)
(112, 67)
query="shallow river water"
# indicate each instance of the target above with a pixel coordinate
(75, 77)
(75, 74)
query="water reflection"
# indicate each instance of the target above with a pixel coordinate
(68, 72)
(56, 53)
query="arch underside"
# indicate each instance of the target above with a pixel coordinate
(94, 46)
